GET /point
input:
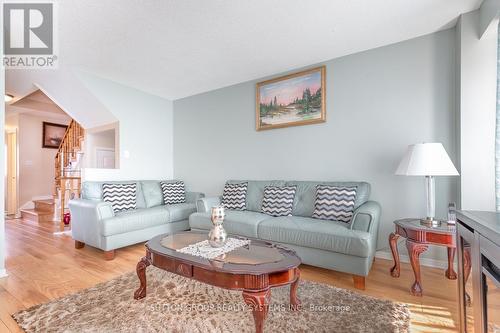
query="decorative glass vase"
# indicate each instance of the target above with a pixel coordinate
(217, 235)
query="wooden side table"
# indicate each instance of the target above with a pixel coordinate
(418, 238)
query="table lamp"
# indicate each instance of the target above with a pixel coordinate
(429, 160)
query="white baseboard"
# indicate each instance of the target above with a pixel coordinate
(27, 205)
(3, 273)
(404, 258)
(63, 233)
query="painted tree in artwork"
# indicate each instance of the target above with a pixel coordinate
(309, 102)
(306, 100)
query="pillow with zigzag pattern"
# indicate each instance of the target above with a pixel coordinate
(335, 203)
(235, 196)
(173, 192)
(121, 196)
(278, 201)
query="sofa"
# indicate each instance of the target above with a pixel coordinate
(93, 221)
(346, 247)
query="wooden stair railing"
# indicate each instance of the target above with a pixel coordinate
(68, 177)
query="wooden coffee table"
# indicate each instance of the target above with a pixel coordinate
(254, 269)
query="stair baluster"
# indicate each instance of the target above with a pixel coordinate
(67, 177)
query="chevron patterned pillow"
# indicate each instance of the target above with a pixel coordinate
(334, 203)
(235, 196)
(121, 196)
(173, 193)
(278, 201)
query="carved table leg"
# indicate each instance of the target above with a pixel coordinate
(141, 273)
(294, 300)
(467, 268)
(259, 302)
(450, 272)
(393, 242)
(414, 250)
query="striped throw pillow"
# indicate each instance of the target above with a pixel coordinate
(173, 193)
(235, 196)
(278, 201)
(121, 196)
(334, 203)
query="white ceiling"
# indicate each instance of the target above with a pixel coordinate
(37, 100)
(36, 104)
(177, 48)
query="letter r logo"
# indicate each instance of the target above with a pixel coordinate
(28, 28)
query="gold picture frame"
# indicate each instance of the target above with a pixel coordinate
(291, 100)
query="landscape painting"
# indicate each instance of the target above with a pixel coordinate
(53, 134)
(296, 99)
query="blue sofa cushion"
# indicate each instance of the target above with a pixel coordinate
(146, 217)
(255, 191)
(135, 220)
(180, 211)
(152, 193)
(305, 195)
(200, 221)
(319, 234)
(92, 190)
(243, 223)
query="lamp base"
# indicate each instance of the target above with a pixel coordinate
(430, 222)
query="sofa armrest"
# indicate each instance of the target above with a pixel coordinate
(366, 217)
(192, 197)
(86, 217)
(204, 205)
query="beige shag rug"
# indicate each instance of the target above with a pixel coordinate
(177, 304)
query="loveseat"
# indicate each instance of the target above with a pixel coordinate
(93, 221)
(346, 247)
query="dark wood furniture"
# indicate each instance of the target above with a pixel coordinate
(478, 243)
(254, 269)
(418, 238)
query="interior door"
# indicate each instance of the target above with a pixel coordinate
(11, 177)
(105, 158)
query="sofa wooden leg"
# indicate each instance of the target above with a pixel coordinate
(109, 255)
(359, 282)
(79, 245)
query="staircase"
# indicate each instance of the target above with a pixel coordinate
(43, 212)
(67, 165)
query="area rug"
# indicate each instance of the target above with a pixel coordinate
(177, 304)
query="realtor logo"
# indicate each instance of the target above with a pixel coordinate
(28, 35)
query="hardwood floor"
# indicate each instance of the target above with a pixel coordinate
(43, 266)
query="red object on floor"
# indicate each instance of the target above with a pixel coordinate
(67, 218)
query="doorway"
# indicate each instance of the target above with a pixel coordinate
(105, 158)
(101, 147)
(11, 181)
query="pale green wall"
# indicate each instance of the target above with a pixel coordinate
(145, 131)
(378, 102)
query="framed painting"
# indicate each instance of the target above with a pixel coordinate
(53, 134)
(291, 100)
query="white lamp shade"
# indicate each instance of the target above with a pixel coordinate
(426, 159)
